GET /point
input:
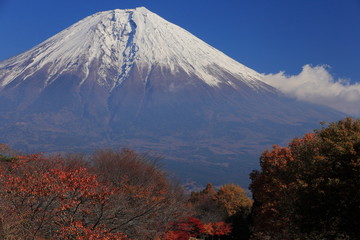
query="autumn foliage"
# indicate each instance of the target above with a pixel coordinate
(57, 198)
(44, 199)
(194, 228)
(111, 195)
(307, 190)
(145, 201)
(224, 211)
(310, 189)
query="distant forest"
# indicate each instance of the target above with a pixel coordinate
(309, 189)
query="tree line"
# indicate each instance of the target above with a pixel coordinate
(309, 189)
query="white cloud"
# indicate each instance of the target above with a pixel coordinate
(317, 85)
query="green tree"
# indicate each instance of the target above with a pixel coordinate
(310, 189)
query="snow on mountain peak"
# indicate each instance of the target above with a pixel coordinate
(115, 40)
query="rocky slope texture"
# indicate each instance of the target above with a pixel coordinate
(128, 78)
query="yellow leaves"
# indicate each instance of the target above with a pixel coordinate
(233, 199)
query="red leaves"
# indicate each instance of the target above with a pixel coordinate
(54, 198)
(275, 159)
(47, 197)
(43, 198)
(193, 227)
(217, 228)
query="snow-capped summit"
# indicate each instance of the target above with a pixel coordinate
(115, 41)
(129, 78)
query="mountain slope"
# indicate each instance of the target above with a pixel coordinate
(128, 78)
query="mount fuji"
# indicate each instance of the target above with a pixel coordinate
(129, 78)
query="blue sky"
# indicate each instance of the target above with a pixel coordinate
(268, 36)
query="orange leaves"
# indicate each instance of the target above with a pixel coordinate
(277, 158)
(229, 203)
(217, 228)
(308, 187)
(175, 235)
(190, 227)
(48, 197)
(34, 177)
(193, 227)
(271, 185)
(77, 183)
(53, 198)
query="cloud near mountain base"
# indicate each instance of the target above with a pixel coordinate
(317, 85)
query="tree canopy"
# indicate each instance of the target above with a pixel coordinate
(229, 204)
(118, 195)
(311, 188)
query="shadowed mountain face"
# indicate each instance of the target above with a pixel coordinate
(128, 78)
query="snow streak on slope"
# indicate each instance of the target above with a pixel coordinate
(114, 41)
